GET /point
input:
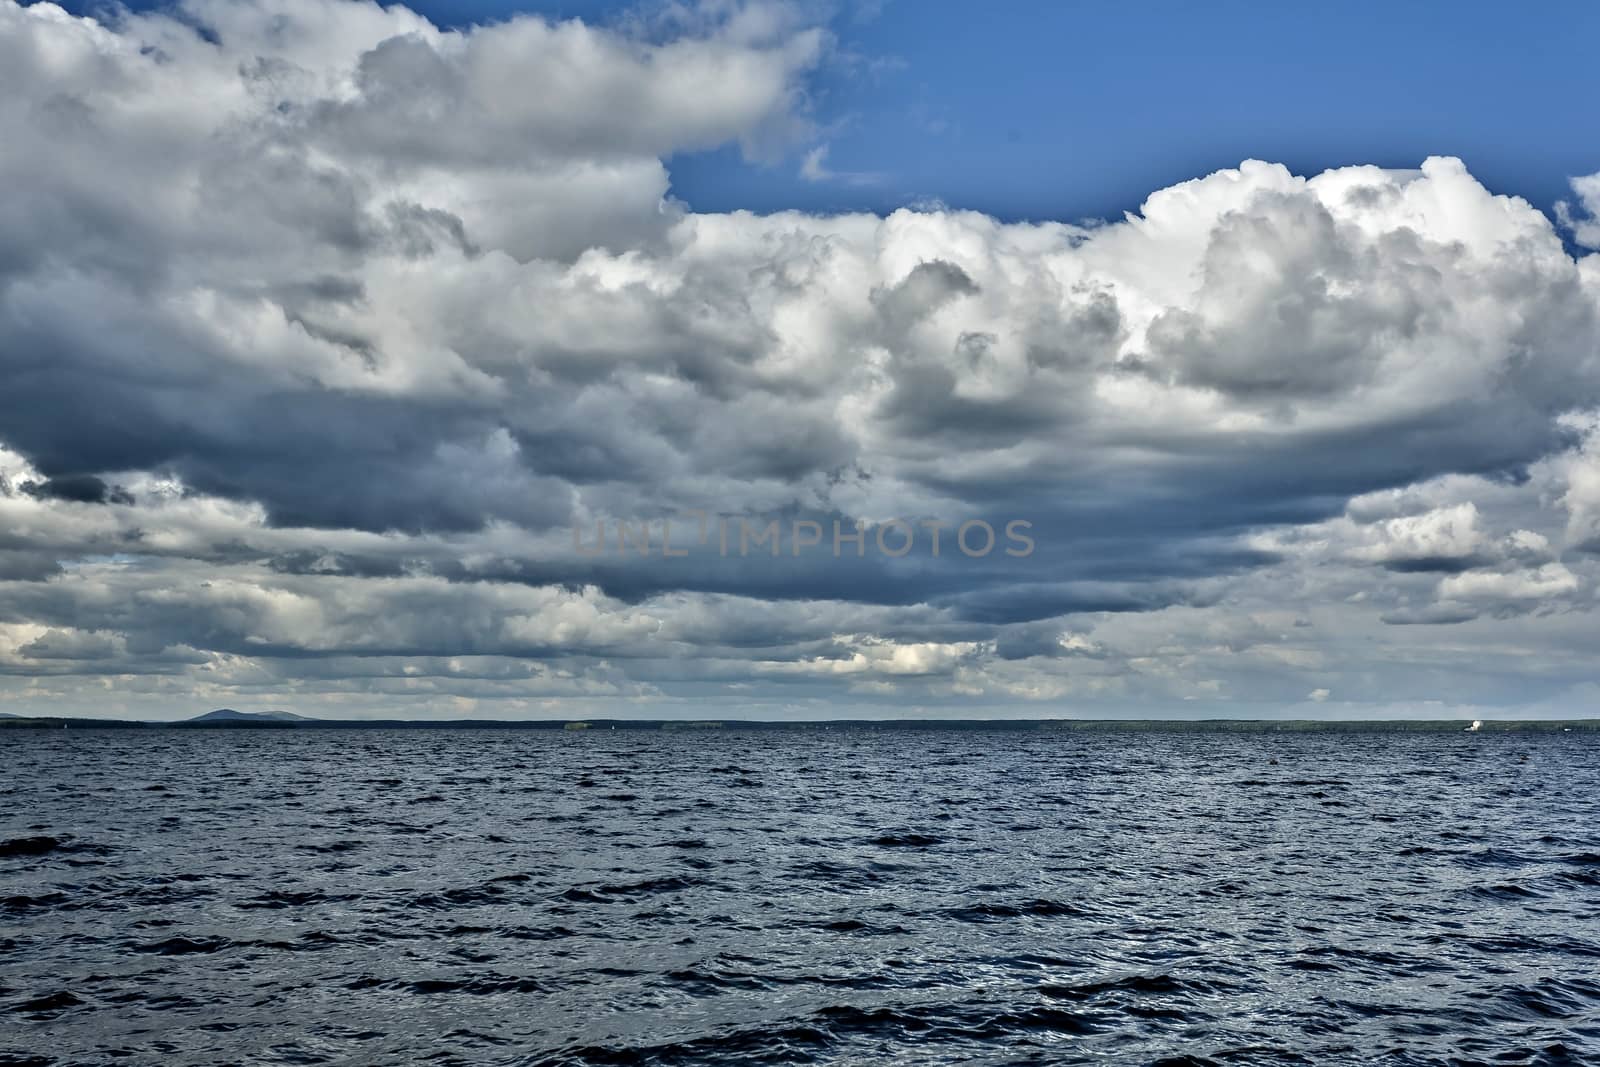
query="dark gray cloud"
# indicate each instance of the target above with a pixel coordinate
(80, 488)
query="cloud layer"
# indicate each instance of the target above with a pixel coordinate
(323, 330)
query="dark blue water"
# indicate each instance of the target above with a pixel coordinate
(364, 897)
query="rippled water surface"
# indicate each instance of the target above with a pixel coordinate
(534, 897)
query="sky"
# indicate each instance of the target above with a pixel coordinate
(783, 360)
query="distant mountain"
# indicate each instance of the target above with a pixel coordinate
(230, 715)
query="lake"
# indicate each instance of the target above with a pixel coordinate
(846, 895)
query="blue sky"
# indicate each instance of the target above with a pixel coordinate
(1078, 110)
(1068, 110)
(1061, 111)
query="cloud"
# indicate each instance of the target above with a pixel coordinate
(1442, 538)
(1584, 221)
(323, 328)
(1544, 582)
(814, 168)
(82, 488)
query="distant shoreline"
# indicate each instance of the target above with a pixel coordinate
(245, 721)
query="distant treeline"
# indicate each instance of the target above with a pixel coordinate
(1248, 726)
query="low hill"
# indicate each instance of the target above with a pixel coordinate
(229, 715)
